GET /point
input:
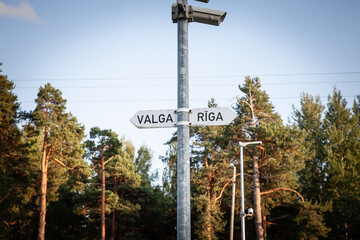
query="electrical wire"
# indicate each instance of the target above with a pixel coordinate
(173, 100)
(193, 77)
(192, 85)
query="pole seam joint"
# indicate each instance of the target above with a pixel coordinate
(183, 123)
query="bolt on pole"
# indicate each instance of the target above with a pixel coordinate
(183, 163)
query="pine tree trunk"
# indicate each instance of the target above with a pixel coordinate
(112, 236)
(208, 226)
(113, 217)
(43, 189)
(257, 198)
(102, 198)
(264, 221)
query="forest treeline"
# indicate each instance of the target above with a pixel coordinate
(303, 181)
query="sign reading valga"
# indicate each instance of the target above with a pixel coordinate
(198, 117)
(154, 119)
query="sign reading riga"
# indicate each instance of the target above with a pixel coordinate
(211, 116)
(198, 117)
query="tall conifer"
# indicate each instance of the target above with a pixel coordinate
(16, 191)
(274, 164)
(57, 136)
(343, 157)
(310, 120)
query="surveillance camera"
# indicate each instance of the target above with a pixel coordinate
(207, 16)
(250, 211)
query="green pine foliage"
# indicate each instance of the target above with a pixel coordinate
(169, 176)
(17, 187)
(209, 177)
(63, 143)
(143, 164)
(313, 176)
(120, 178)
(343, 157)
(330, 179)
(273, 165)
(302, 181)
(309, 119)
(57, 136)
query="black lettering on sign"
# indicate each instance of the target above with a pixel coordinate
(147, 119)
(140, 119)
(161, 118)
(211, 116)
(200, 116)
(219, 117)
(153, 119)
(169, 118)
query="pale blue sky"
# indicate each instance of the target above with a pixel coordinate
(113, 58)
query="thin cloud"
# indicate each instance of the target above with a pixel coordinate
(23, 11)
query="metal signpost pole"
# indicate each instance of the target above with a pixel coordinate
(182, 14)
(183, 163)
(243, 214)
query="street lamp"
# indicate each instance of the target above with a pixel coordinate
(250, 210)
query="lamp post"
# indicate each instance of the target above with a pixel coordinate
(243, 214)
(233, 204)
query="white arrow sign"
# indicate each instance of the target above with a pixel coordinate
(154, 119)
(198, 117)
(211, 116)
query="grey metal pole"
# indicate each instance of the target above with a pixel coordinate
(233, 205)
(242, 194)
(243, 214)
(183, 163)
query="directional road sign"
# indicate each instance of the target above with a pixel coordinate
(154, 119)
(211, 116)
(198, 117)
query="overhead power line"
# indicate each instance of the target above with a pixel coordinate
(197, 85)
(173, 100)
(192, 77)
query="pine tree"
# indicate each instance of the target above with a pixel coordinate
(102, 147)
(169, 176)
(9, 132)
(210, 176)
(274, 164)
(57, 136)
(310, 120)
(143, 164)
(15, 189)
(312, 178)
(112, 159)
(342, 150)
(122, 178)
(156, 217)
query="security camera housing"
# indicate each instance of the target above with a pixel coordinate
(250, 211)
(207, 16)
